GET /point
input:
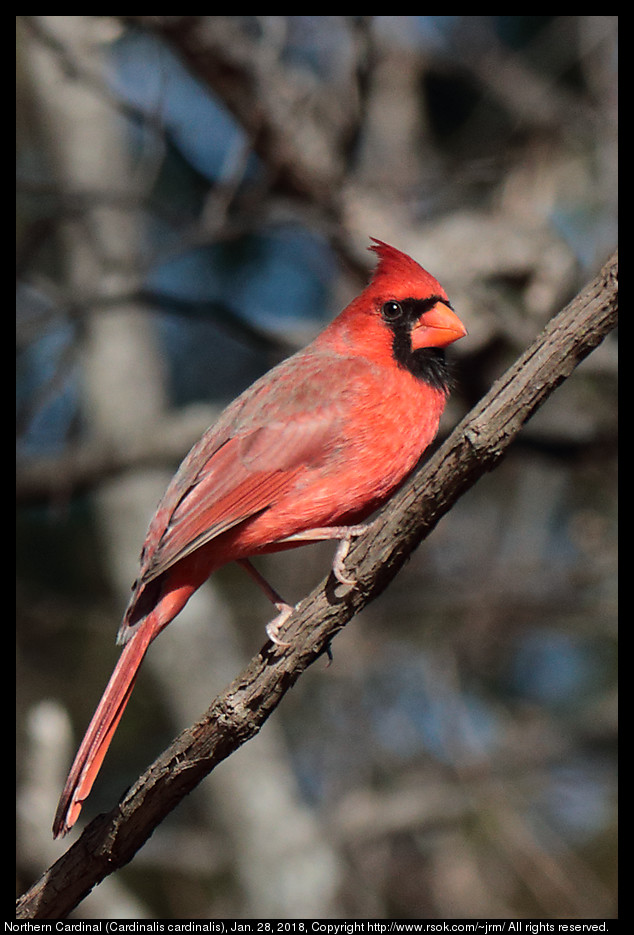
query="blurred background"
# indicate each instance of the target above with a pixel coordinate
(195, 197)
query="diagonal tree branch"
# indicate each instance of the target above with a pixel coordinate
(238, 713)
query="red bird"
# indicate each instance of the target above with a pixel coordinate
(307, 452)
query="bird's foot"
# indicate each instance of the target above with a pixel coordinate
(345, 533)
(273, 628)
(342, 551)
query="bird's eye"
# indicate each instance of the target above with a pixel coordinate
(392, 311)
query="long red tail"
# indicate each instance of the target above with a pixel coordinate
(101, 729)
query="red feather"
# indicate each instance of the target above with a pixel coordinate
(312, 447)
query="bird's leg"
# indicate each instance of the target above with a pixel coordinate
(345, 533)
(285, 610)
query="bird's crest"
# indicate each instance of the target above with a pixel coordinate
(396, 267)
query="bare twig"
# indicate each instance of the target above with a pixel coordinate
(238, 713)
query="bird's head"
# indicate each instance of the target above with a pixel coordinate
(404, 313)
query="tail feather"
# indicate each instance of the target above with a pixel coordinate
(101, 729)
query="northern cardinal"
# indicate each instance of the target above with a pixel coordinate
(307, 452)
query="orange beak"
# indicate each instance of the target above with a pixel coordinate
(437, 328)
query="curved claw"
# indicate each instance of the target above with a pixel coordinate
(342, 550)
(273, 627)
(337, 564)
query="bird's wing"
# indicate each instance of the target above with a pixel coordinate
(242, 466)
